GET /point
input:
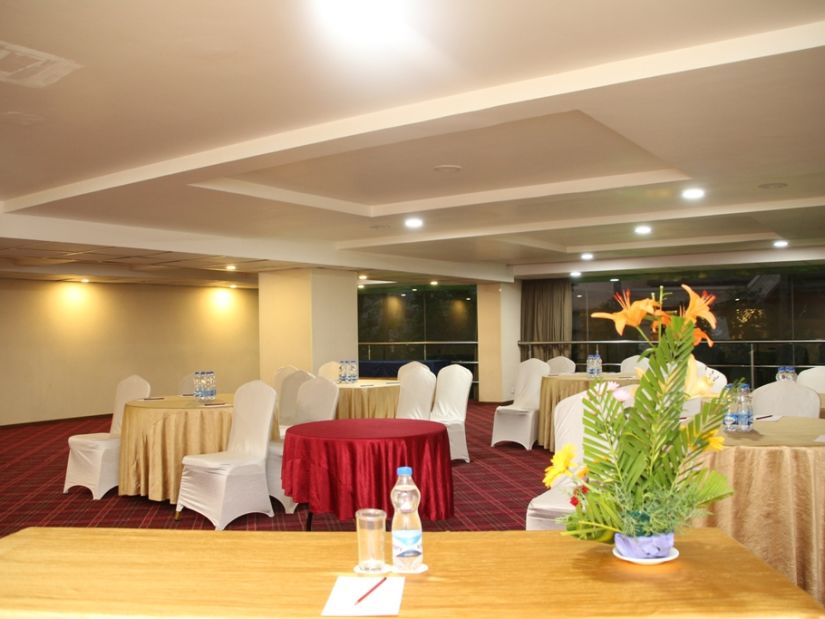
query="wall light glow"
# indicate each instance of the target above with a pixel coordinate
(221, 299)
(366, 24)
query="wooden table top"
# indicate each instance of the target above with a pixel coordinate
(61, 572)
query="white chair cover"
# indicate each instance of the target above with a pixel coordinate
(814, 378)
(186, 385)
(629, 365)
(415, 400)
(329, 370)
(280, 375)
(561, 365)
(691, 407)
(288, 399)
(412, 365)
(545, 509)
(224, 485)
(94, 459)
(719, 379)
(317, 401)
(518, 422)
(785, 398)
(452, 390)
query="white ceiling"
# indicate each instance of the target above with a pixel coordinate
(158, 141)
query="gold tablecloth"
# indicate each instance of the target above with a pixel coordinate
(555, 388)
(71, 572)
(778, 506)
(155, 436)
(368, 399)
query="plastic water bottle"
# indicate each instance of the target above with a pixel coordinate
(597, 364)
(744, 410)
(353, 371)
(791, 370)
(342, 371)
(199, 384)
(731, 417)
(407, 546)
(782, 373)
(211, 385)
(591, 366)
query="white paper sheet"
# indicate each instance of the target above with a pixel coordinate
(820, 438)
(383, 601)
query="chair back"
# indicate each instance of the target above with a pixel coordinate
(629, 365)
(252, 419)
(329, 370)
(288, 399)
(528, 383)
(186, 385)
(814, 378)
(568, 423)
(719, 379)
(691, 407)
(133, 387)
(280, 375)
(561, 365)
(786, 398)
(412, 365)
(317, 400)
(417, 389)
(452, 390)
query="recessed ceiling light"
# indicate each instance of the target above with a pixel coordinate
(643, 229)
(587, 256)
(693, 193)
(773, 185)
(576, 274)
(434, 283)
(614, 279)
(413, 222)
(360, 285)
(362, 277)
(231, 267)
(85, 280)
(447, 168)
(780, 244)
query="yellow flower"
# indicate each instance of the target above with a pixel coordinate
(715, 441)
(560, 465)
(582, 472)
(631, 313)
(697, 386)
(699, 306)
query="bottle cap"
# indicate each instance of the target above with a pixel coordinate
(404, 471)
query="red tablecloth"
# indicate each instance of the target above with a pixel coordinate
(343, 465)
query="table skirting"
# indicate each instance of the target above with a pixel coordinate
(344, 465)
(368, 399)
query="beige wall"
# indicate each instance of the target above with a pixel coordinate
(64, 346)
(307, 317)
(499, 317)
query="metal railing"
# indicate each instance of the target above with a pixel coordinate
(755, 359)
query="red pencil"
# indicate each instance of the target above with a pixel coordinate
(374, 587)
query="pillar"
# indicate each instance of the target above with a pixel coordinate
(499, 329)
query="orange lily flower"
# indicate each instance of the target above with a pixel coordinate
(699, 306)
(699, 335)
(631, 313)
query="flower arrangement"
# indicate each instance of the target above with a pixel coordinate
(641, 473)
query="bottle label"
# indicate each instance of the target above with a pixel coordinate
(406, 544)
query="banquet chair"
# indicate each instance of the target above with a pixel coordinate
(227, 484)
(719, 379)
(813, 378)
(691, 407)
(280, 374)
(412, 365)
(186, 385)
(629, 365)
(561, 365)
(452, 390)
(317, 401)
(415, 399)
(288, 399)
(544, 510)
(518, 422)
(94, 459)
(329, 370)
(785, 398)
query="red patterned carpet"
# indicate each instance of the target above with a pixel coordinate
(491, 492)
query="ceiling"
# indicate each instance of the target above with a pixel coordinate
(157, 142)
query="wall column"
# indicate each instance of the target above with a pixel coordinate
(306, 318)
(499, 328)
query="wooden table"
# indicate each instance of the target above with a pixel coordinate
(68, 572)
(156, 434)
(343, 465)
(556, 387)
(778, 506)
(368, 398)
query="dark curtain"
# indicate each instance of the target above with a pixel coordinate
(546, 316)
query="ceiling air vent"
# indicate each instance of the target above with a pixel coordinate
(29, 67)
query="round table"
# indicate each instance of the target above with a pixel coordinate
(343, 465)
(155, 435)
